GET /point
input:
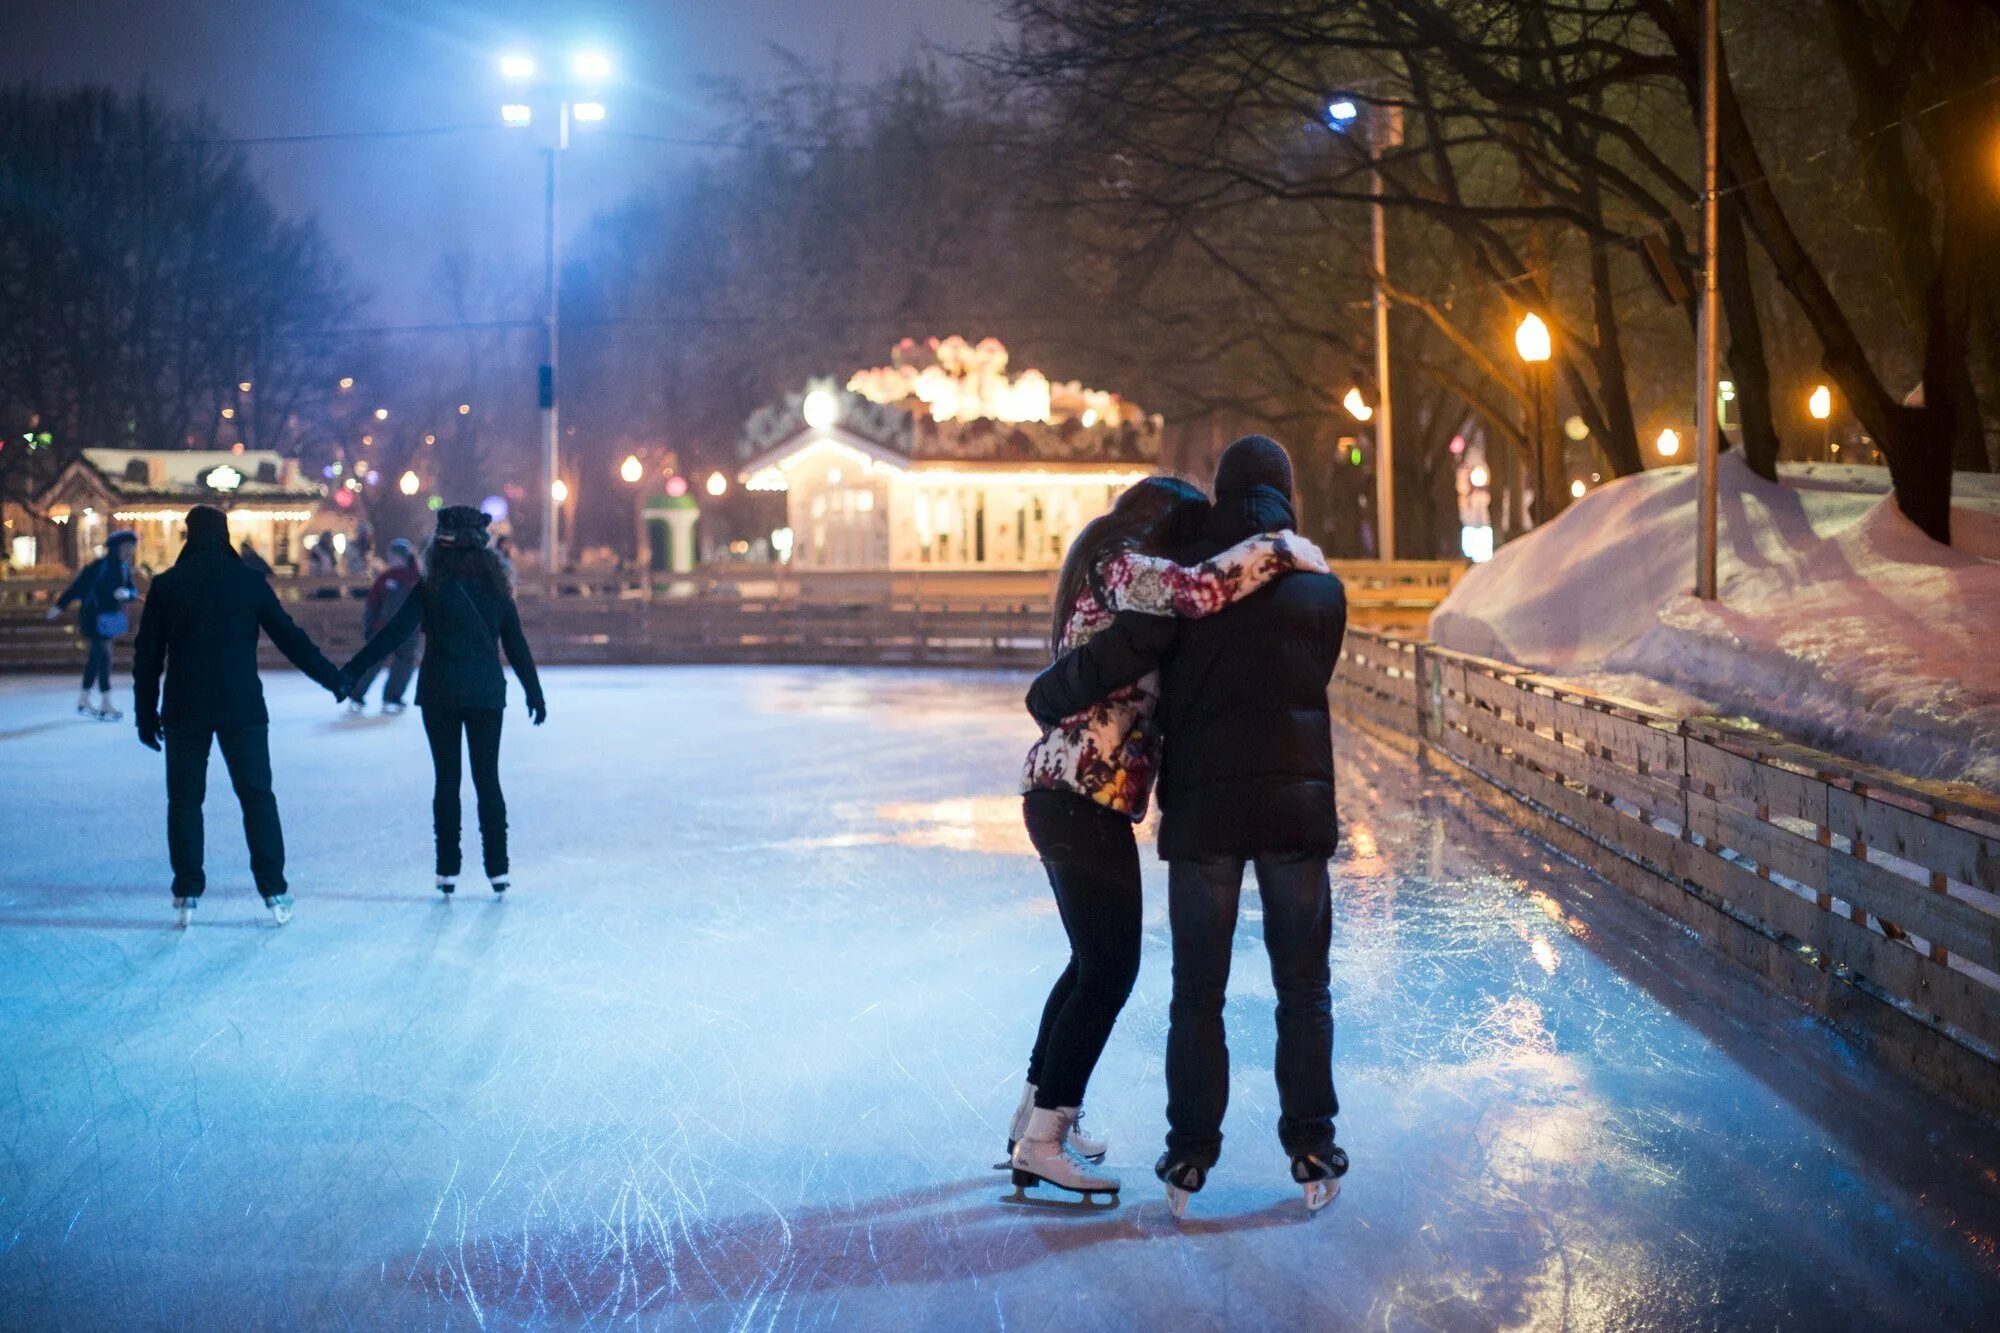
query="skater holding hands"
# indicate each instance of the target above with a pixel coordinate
(467, 613)
(1086, 785)
(200, 627)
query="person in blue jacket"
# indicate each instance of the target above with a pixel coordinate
(467, 614)
(100, 590)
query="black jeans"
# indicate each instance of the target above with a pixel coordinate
(247, 752)
(1092, 862)
(96, 662)
(1202, 899)
(443, 725)
(402, 666)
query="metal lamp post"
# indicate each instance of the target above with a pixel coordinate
(1385, 131)
(563, 99)
(1532, 341)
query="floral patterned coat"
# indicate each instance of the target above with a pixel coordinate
(1108, 752)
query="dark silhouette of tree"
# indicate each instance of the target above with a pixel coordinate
(145, 276)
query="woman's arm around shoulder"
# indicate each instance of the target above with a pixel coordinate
(1158, 586)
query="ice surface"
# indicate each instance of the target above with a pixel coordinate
(1838, 622)
(739, 1047)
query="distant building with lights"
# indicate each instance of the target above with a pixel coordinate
(942, 461)
(270, 503)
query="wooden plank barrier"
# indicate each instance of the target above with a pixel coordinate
(1870, 896)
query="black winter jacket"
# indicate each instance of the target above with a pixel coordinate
(1247, 762)
(200, 624)
(465, 627)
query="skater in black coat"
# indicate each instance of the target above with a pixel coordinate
(100, 590)
(1246, 778)
(468, 617)
(200, 625)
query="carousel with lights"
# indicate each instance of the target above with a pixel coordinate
(944, 460)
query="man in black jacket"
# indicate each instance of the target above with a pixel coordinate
(1246, 777)
(201, 623)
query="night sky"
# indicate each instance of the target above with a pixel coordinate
(394, 205)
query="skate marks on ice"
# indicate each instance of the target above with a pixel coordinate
(654, 1256)
(696, 1076)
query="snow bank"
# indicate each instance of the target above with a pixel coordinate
(1839, 624)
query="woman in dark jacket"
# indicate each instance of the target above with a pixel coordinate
(100, 590)
(468, 618)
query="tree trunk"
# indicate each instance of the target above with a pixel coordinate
(1746, 342)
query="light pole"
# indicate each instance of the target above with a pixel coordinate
(1532, 341)
(1385, 131)
(562, 98)
(1820, 404)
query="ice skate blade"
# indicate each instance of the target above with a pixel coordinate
(1320, 1193)
(1177, 1202)
(1085, 1201)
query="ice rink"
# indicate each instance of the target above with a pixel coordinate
(739, 1049)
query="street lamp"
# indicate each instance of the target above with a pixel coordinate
(717, 485)
(1535, 346)
(410, 483)
(633, 471)
(1820, 404)
(1385, 131)
(1669, 443)
(567, 97)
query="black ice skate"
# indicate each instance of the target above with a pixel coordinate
(1043, 1157)
(500, 885)
(1182, 1179)
(447, 885)
(1320, 1174)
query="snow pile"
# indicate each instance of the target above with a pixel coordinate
(1839, 623)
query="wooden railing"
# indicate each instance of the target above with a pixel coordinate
(738, 614)
(1872, 897)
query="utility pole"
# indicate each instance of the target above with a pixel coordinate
(1709, 327)
(552, 287)
(1385, 132)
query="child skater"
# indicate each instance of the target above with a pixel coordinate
(468, 617)
(1086, 786)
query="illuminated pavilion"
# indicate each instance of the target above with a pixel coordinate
(943, 462)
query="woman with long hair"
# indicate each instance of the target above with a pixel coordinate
(1086, 785)
(468, 617)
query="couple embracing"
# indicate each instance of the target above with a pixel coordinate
(1196, 640)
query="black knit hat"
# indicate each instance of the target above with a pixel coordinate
(461, 525)
(206, 523)
(1254, 460)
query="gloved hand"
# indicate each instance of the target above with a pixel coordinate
(343, 686)
(539, 710)
(149, 732)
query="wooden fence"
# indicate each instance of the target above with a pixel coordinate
(738, 614)
(1869, 896)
